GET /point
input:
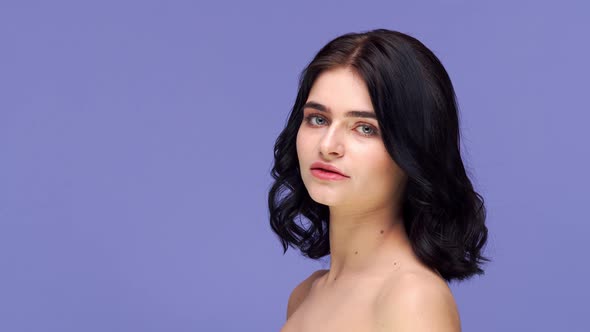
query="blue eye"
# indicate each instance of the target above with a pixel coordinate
(371, 130)
(317, 120)
(309, 119)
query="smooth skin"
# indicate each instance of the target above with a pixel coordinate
(375, 281)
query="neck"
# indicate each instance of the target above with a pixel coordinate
(359, 243)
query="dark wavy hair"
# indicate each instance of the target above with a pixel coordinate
(417, 112)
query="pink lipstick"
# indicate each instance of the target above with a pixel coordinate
(327, 172)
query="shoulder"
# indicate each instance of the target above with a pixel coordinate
(417, 301)
(300, 292)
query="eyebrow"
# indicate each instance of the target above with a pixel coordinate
(349, 114)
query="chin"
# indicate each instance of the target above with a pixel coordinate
(324, 196)
(324, 193)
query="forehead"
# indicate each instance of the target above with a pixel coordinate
(340, 89)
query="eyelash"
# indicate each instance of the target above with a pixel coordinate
(311, 116)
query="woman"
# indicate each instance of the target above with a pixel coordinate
(368, 169)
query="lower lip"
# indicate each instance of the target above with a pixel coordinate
(325, 175)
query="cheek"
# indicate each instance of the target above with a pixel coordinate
(301, 149)
(299, 143)
(302, 141)
(382, 170)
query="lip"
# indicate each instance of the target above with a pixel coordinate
(325, 175)
(319, 166)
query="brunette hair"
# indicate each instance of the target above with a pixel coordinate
(417, 112)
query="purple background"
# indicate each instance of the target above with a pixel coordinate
(136, 142)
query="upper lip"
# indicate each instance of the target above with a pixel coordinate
(327, 167)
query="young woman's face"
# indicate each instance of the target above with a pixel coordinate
(351, 142)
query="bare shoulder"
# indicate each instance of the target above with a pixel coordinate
(417, 301)
(300, 292)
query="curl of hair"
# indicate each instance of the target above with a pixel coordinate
(416, 108)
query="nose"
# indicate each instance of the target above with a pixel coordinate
(331, 144)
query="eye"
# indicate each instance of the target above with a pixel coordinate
(367, 130)
(316, 120)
